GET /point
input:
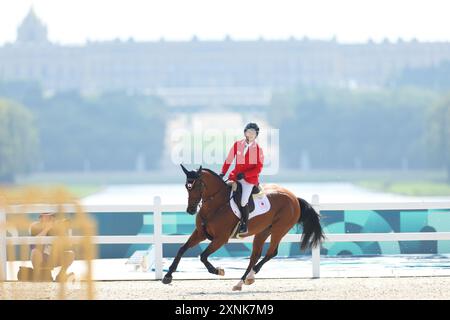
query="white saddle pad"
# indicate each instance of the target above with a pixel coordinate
(262, 205)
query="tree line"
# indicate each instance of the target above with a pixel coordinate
(71, 132)
(398, 128)
(405, 125)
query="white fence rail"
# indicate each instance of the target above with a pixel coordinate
(158, 239)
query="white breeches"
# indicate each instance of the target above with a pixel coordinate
(246, 191)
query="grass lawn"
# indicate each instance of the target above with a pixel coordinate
(77, 190)
(83, 190)
(410, 188)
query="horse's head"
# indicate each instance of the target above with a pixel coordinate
(194, 186)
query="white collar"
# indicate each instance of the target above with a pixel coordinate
(248, 144)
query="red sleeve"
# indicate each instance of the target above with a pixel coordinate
(259, 165)
(230, 158)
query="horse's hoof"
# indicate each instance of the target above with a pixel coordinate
(220, 272)
(167, 280)
(249, 281)
(237, 288)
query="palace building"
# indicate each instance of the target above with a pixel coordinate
(242, 67)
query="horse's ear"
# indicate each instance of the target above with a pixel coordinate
(184, 169)
(199, 169)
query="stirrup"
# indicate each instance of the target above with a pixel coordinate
(244, 231)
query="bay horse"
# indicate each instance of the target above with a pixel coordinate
(216, 221)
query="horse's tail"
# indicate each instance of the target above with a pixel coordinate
(312, 230)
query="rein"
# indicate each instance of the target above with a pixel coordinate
(203, 200)
(209, 198)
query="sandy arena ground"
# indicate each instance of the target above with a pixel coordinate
(303, 289)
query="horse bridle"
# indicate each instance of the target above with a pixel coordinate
(190, 186)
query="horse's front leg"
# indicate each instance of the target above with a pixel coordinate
(195, 238)
(215, 245)
(249, 275)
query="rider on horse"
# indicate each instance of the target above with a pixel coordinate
(216, 219)
(249, 163)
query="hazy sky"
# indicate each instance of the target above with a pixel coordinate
(75, 21)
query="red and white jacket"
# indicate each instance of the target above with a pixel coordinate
(249, 164)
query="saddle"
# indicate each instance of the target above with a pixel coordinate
(236, 189)
(237, 195)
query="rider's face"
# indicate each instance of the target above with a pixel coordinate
(250, 134)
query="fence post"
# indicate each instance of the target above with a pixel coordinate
(3, 248)
(316, 250)
(157, 233)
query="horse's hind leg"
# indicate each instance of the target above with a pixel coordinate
(213, 247)
(282, 226)
(277, 235)
(193, 240)
(271, 252)
(249, 275)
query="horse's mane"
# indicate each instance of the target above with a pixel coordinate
(214, 174)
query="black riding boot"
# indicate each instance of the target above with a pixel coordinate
(244, 219)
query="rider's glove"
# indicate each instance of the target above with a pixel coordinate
(240, 176)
